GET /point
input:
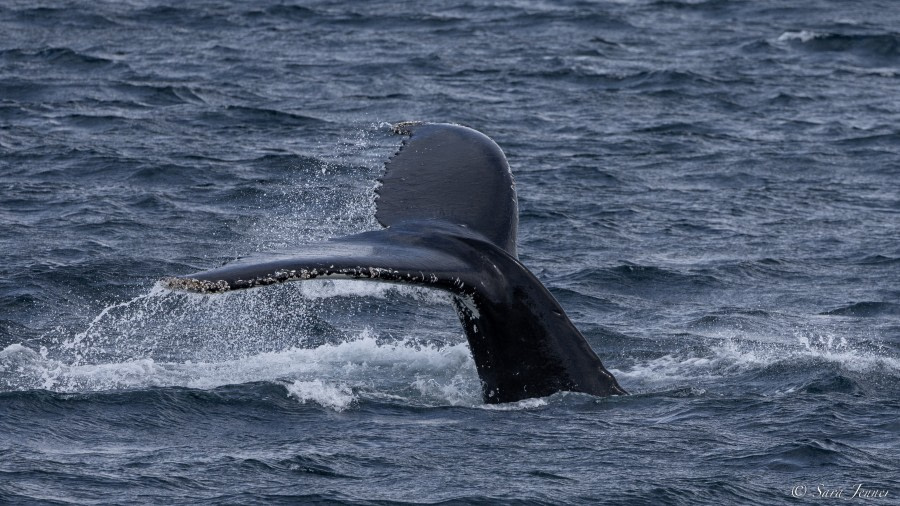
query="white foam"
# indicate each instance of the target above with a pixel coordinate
(325, 374)
(457, 391)
(802, 36)
(337, 397)
(524, 404)
(739, 354)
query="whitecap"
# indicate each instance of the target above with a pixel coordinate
(802, 36)
(333, 396)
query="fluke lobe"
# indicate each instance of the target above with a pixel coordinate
(449, 208)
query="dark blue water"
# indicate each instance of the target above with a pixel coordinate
(710, 188)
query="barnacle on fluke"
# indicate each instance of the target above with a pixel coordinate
(195, 285)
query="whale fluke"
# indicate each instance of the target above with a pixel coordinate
(448, 203)
(454, 174)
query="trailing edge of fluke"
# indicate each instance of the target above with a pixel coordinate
(448, 204)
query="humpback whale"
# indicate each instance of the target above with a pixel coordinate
(448, 204)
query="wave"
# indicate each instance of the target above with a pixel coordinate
(866, 309)
(63, 56)
(116, 98)
(879, 260)
(880, 46)
(644, 281)
(54, 17)
(649, 81)
(810, 361)
(147, 95)
(800, 455)
(887, 140)
(332, 375)
(256, 116)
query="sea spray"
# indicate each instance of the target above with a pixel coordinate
(166, 338)
(332, 195)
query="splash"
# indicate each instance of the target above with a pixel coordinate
(169, 326)
(286, 333)
(172, 326)
(316, 338)
(336, 397)
(327, 196)
(332, 375)
(142, 303)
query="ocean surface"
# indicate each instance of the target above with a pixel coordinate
(710, 188)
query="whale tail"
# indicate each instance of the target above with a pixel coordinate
(449, 204)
